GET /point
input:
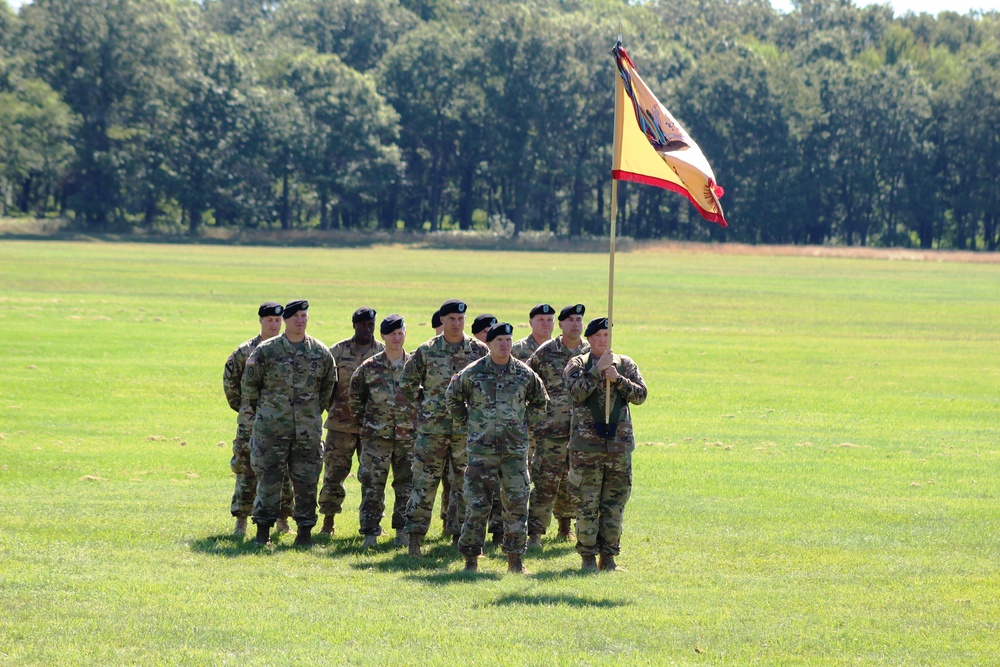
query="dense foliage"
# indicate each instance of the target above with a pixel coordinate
(829, 124)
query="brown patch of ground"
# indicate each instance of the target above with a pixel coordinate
(850, 252)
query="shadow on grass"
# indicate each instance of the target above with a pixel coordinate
(228, 546)
(553, 601)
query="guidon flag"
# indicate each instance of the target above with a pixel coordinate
(652, 148)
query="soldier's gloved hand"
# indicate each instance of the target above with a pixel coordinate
(605, 361)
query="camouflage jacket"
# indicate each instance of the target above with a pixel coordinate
(495, 403)
(288, 388)
(524, 348)
(348, 357)
(587, 389)
(548, 361)
(426, 376)
(232, 376)
(377, 402)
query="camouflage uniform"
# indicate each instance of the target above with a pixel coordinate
(288, 386)
(494, 402)
(550, 458)
(342, 435)
(386, 419)
(600, 468)
(524, 348)
(246, 479)
(425, 379)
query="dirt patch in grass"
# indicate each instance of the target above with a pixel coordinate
(850, 252)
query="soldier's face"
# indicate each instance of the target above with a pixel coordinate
(394, 340)
(270, 326)
(500, 348)
(598, 342)
(454, 326)
(482, 335)
(541, 326)
(572, 326)
(296, 324)
(364, 332)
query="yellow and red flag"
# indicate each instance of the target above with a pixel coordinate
(651, 147)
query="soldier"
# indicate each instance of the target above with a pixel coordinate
(386, 420)
(480, 328)
(425, 379)
(436, 323)
(481, 325)
(550, 458)
(600, 452)
(493, 397)
(269, 314)
(288, 383)
(343, 438)
(541, 319)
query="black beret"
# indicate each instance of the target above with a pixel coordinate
(452, 307)
(541, 309)
(482, 323)
(499, 329)
(390, 324)
(578, 309)
(435, 320)
(595, 325)
(293, 307)
(270, 309)
(363, 315)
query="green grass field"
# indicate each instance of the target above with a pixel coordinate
(816, 481)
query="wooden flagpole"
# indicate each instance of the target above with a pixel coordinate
(611, 291)
(619, 101)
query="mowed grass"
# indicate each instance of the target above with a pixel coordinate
(816, 480)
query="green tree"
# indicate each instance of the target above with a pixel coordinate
(351, 157)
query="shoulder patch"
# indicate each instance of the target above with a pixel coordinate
(251, 361)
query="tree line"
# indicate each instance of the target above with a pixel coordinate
(831, 124)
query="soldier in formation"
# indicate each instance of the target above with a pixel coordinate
(550, 457)
(541, 320)
(600, 446)
(288, 384)
(426, 375)
(269, 316)
(493, 398)
(385, 419)
(343, 439)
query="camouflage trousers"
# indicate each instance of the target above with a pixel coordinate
(378, 455)
(272, 458)
(338, 457)
(431, 454)
(549, 494)
(246, 483)
(600, 484)
(486, 475)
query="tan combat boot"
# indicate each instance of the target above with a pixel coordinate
(534, 541)
(400, 540)
(415, 545)
(471, 562)
(514, 564)
(281, 527)
(371, 541)
(327, 528)
(607, 563)
(589, 563)
(565, 533)
(241, 527)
